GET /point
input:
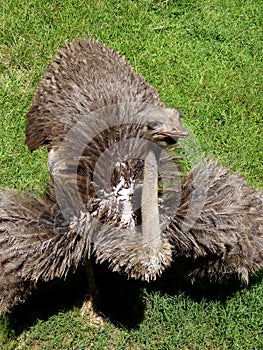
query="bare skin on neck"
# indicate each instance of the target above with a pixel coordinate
(150, 211)
(159, 133)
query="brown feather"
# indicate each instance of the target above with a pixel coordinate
(85, 76)
(89, 101)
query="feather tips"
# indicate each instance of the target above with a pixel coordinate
(90, 100)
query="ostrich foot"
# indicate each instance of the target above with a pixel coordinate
(88, 309)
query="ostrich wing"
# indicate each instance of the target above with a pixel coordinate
(219, 224)
(35, 244)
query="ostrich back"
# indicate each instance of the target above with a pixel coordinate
(85, 76)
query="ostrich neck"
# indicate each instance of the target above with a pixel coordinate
(150, 211)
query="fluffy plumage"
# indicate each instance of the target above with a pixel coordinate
(85, 76)
(223, 232)
(89, 102)
(222, 238)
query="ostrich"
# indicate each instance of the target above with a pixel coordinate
(114, 192)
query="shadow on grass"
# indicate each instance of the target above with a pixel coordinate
(122, 301)
(174, 281)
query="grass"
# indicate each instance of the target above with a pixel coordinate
(204, 57)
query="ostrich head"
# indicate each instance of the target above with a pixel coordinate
(164, 127)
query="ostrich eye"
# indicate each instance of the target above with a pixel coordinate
(153, 125)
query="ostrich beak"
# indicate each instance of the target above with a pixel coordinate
(171, 136)
(165, 126)
(176, 132)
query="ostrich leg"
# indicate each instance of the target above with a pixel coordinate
(92, 301)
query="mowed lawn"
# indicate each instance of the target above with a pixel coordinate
(205, 58)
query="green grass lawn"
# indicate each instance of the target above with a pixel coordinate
(204, 57)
